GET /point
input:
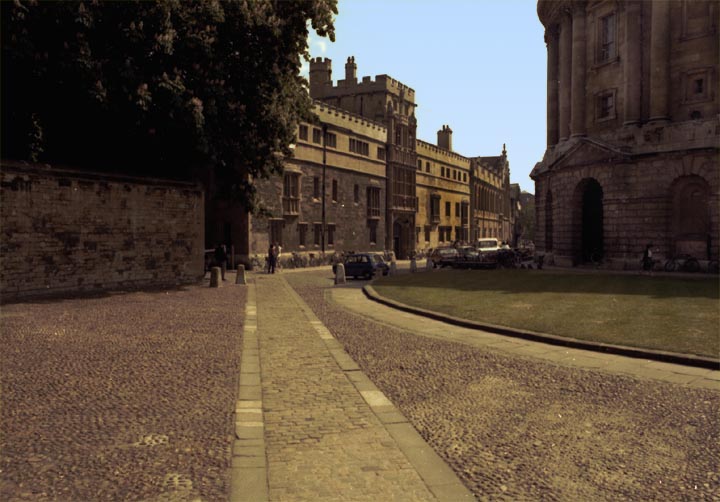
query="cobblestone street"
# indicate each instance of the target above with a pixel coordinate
(518, 428)
(122, 397)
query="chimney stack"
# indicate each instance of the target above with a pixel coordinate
(445, 138)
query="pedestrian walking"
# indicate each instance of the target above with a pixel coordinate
(278, 252)
(271, 259)
(221, 259)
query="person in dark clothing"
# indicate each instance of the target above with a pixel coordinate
(221, 259)
(272, 257)
(647, 259)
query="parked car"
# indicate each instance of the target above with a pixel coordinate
(488, 245)
(443, 257)
(469, 257)
(365, 265)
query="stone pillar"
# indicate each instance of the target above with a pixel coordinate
(215, 277)
(633, 62)
(659, 60)
(577, 127)
(551, 39)
(565, 57)
(340, 274)
(240, 277)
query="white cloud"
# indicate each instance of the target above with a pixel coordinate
(321, 44)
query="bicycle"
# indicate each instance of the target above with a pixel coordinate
(683, 263)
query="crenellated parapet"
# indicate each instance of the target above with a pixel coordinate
(425, 148)
(322, 110)
(321, 83)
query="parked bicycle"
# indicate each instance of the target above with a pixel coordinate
(682, 263)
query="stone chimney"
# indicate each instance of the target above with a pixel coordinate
(445, 138)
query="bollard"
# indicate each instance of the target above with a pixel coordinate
(429, 264)
(393, 268)
(339, 273)
(413, 265)
(240, 277)
(215, 277)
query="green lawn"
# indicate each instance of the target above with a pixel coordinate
(662, 313)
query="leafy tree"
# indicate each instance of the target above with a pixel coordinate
(170, 88)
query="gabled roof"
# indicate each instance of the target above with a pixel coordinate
(584, 151)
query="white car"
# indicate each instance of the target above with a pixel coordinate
(487, 245)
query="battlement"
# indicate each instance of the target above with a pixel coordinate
(321, 83)
(424, 145)
(321, 108)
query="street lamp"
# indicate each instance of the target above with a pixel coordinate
(324, 143)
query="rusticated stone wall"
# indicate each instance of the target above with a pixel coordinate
(71, 231)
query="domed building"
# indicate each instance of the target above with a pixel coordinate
(633, 131)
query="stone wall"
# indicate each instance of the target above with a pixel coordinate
(71, 231)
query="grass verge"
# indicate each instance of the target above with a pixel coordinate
(661, 313)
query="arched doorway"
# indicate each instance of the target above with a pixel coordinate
(403, 238)
(690, 221)
(588, 242)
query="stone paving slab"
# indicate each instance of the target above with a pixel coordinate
(325, 423)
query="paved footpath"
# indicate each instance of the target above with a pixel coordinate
(311, 426)
(352, 298)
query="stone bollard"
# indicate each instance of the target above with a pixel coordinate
(413, 265)
(215, 277)
(240, 277)
(339, 273)
(393, 267)
(429, 264)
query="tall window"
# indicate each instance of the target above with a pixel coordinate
(303, 132)
(434, 208)
(447, 208)
(317, 233)
(373, 202)
(317, 136)
(302, 234)
(316, 187)
(330, 234)
(457, 209)
(291, 193)
(331, 140)
(372, 227)
(427, 167)
(606, 38)
(380, 153)
(334, 190)
(427, 233)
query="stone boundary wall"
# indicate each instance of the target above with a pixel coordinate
(67, 231)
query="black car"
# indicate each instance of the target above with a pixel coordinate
(365, 265)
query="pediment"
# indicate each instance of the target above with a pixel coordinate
(585, 152)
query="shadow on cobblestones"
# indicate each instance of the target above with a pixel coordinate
(120, 397)
(516, 428)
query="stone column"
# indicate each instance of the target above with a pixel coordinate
(633, 62)
(551, 39)
(577, 126)
(565, 55)
(659, 60)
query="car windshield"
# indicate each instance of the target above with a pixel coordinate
(487, 243)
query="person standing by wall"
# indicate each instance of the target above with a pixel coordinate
(221, 259)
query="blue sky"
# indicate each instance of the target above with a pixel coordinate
(477, 65)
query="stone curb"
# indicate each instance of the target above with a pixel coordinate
(655, 355)
(439, 478)
(249, 479)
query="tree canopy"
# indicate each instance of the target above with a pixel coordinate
(162, 88)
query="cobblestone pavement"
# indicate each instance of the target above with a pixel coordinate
(323, 441)
(519, 428)
(122, 397)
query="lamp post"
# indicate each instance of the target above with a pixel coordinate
(324, 143)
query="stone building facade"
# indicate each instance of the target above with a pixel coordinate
(633, 131)
(385, 189)
(75, 231)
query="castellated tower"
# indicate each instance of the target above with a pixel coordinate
(445, 138)
(320, 75)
